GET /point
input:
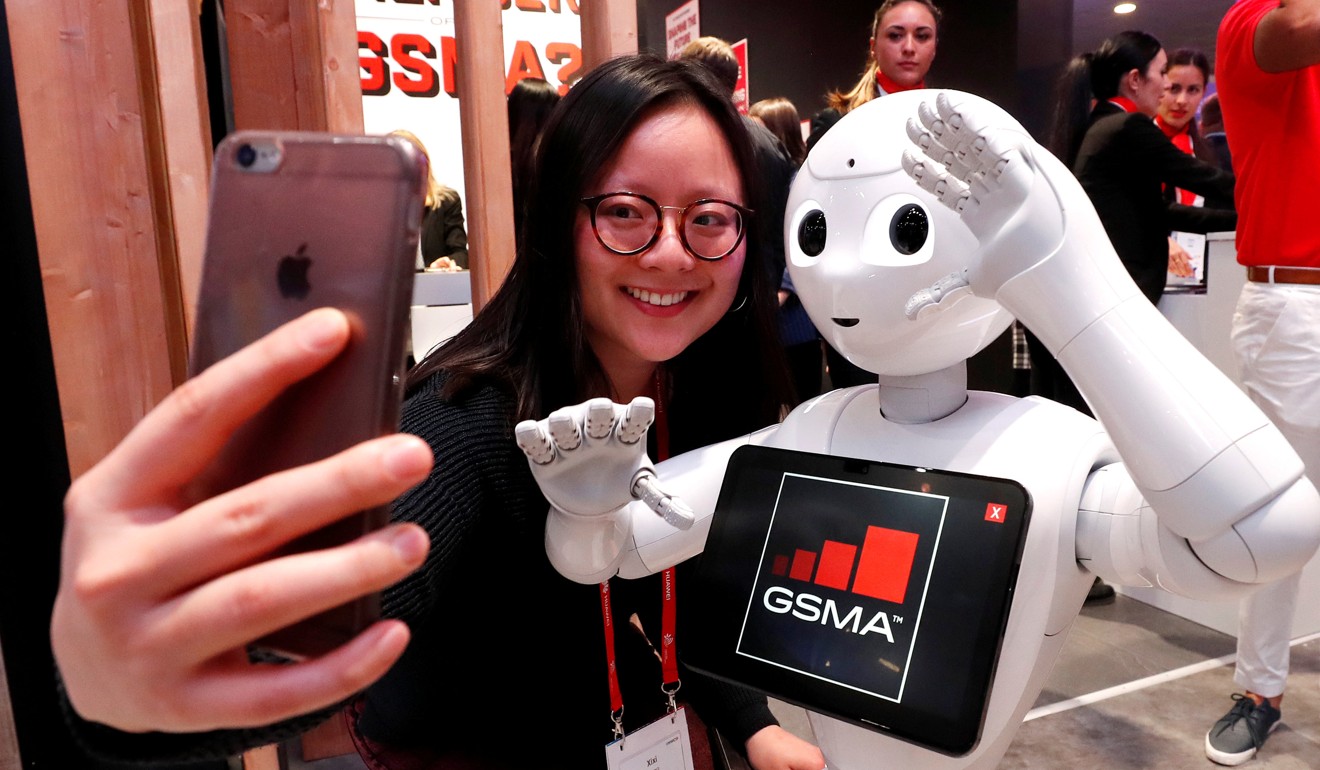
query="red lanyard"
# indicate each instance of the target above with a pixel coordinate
(669, 614)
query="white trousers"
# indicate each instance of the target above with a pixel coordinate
(1276, 338)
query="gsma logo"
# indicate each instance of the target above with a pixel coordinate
(291, 274)
(843, 582)
(882, 571)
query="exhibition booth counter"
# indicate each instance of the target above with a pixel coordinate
(441, 307)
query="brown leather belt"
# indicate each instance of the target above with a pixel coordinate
(1306, 275)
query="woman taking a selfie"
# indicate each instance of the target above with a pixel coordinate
(639, 274)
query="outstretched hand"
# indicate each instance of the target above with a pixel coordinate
(160, 591)
(980, 163)
(590, 459)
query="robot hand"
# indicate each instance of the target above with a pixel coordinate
(979, 162)
(590, 459)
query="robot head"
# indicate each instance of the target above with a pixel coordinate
(862, 238)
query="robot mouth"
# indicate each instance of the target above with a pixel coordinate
(846, 323)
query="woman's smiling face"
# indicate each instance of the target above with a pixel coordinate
(647, 308)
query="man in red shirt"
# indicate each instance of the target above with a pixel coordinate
(1268, 75)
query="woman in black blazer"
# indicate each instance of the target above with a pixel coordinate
(1105, 132)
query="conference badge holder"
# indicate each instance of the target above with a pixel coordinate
(665, 743)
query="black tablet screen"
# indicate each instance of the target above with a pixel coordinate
(873, 592)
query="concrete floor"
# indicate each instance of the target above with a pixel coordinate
(1135, 688)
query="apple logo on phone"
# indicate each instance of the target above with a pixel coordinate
(291, 274)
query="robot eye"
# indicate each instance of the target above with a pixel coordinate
(811, 233)
(899, 232)
(908, 229)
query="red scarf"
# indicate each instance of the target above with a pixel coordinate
(1182, 139)
(1124, 103)
(891, 87)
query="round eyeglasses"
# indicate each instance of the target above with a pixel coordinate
(629, 223)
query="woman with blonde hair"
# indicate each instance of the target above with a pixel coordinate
(904, 34)
(444, 234)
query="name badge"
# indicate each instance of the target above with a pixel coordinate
(661, 745)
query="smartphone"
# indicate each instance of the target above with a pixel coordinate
(300, 221)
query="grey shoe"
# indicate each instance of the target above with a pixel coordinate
(1237, 736)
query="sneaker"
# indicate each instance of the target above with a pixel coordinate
(1237, 736)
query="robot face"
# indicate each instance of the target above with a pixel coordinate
(862, 237)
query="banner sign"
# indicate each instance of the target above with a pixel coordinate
(741, 95)
(407, 59)
(682, 26)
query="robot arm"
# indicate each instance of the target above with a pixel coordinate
(608, 513)
(1233, 506)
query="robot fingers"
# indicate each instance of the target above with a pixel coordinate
(564, 430)
(919, 136)
(534, 442)
(921, 173)
(637, 418)
(600, 418)
(930, 118)
(951, 191)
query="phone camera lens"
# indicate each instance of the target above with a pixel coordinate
(246, 155)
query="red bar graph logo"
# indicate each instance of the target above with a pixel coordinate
(882, 571)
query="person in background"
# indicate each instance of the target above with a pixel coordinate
(781, 118)
(444, 234)
(1105, 132)
(529, 103)
(1268, 66)
(904, 36)
(1188, 73)
(776, 175)
(1212, 129)
(802, 343)
(1103, 129)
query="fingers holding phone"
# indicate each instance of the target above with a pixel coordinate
(158, 596)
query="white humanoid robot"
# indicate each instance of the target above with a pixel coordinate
(1182, 483)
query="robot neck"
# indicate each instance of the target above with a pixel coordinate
(923, 398)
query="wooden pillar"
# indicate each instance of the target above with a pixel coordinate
(609, 29)
(9, 756)
(111, 134)
(293, 65)
(483, 116)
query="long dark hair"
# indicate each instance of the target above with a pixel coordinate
(1191, 57)
(1093, 77)
(530, 340)
(530, 103)
(781, 117)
